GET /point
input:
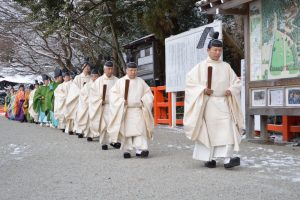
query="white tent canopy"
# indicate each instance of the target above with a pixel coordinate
(29, 79)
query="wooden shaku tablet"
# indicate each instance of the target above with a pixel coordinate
(126, 89)
(209, 77)
(104, 92)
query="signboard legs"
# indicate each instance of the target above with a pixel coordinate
(173, 109)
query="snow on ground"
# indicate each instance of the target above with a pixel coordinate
(13, 152)
(270, 161)
(267, 160)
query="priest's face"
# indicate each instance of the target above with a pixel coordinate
(59, 79)
(95, 76)
(87, 69)
(67, 78)
(108, 71)
(46, 82)
(131, 72)
(215, 53)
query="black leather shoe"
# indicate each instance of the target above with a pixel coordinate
(80, 135)
(104, 147)
(71, 133)
(89, 139)
(145, 154)
(236, 161)
(210, 164)
(62, 130)
(116, 145)
(126, 155)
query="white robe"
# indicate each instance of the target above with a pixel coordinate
(73, 98)
(99, 111)
(31, 111)
(60, 96)
(82, 115)
(214, 122)
(133, 121)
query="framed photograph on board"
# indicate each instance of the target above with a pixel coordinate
(258, 97)
(275, 97)
(292, 96)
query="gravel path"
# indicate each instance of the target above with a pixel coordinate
(45, 164)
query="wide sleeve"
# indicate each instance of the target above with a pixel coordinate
(194, 102)
(147, 105)
(36, 99)
(72, 100)
(26, 102)
(83, 104)
(117, 107)
(17, 101)
(59, 101)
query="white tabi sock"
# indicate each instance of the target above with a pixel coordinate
(226, 160)
(138, 151)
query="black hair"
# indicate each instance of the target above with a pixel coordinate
(214, 42)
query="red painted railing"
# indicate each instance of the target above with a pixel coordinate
(163, 106)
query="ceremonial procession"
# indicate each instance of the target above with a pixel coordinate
(114, 111)
(168, 99)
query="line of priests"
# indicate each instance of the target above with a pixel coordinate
(117, 112)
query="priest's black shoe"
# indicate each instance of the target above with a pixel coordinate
(80, 135)
(71, 133)
(127, 155)
(104, 147)
(236, 161)
(89, 139)
(210, 164)
(145, 154)
(116, 145)
(62, 130)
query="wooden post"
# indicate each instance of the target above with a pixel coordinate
(250, 126)
(169, 108)
(155, 107)
(285, 128)
(249, 118)
(173, 109)
(264, 135)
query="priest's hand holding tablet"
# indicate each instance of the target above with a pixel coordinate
(208, 91)
(227, 93)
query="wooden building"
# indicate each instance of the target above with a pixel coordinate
(272, 59)
(148, 53)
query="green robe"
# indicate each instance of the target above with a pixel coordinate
(41, 100)
(52, 87)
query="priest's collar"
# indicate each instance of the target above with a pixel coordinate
(127, 77)
(209, 60)
(106, 77)
(85, 75)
